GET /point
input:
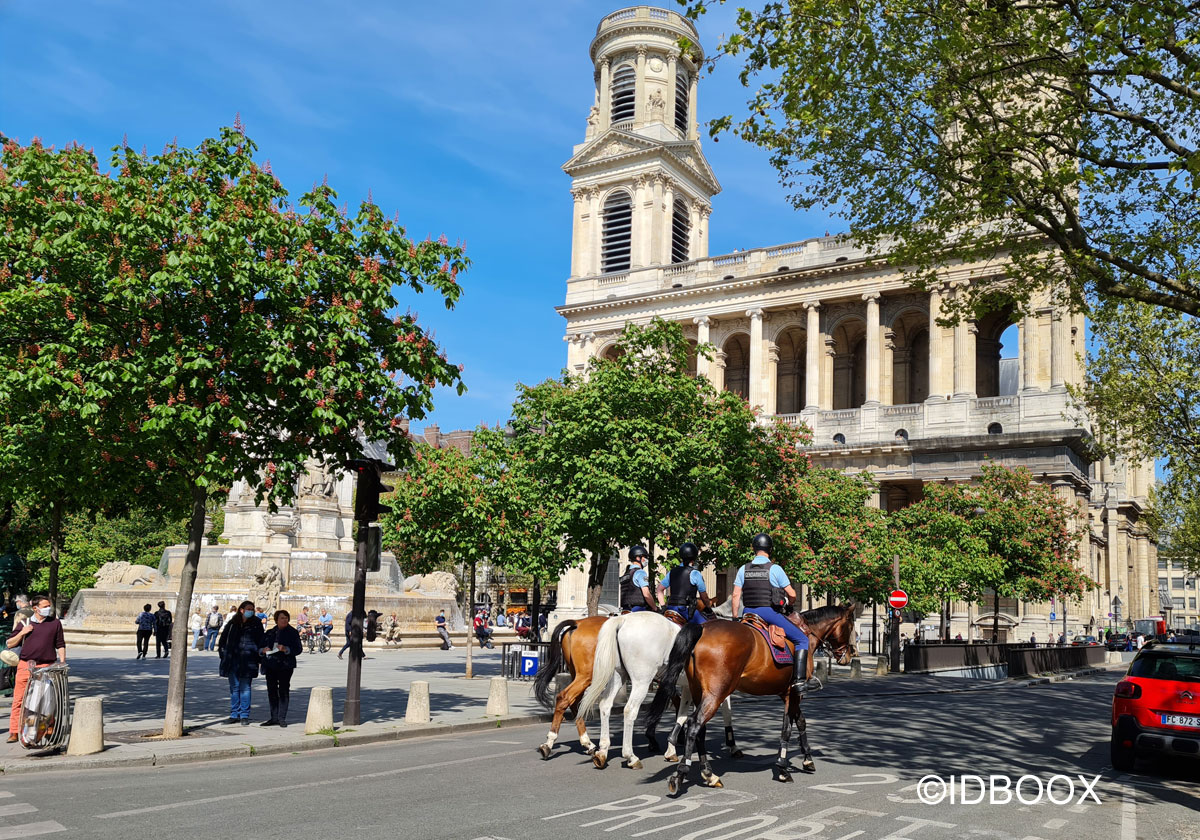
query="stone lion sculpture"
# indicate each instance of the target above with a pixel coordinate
(121, 573)
(434, 583)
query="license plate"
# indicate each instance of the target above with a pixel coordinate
(1181, 720)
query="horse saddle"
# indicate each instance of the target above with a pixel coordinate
(774, 636)
(675, 616)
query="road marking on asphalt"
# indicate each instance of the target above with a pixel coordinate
(1129, 816)
(19, 808)
(170, 806)
(1054, 824)
(504, 742)
(13, 832)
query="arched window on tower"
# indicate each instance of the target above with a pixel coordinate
(617, 238)
(681, 233)
(682, 85)
(624, 93)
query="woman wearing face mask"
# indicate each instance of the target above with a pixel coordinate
(239, 651)
(41, 641)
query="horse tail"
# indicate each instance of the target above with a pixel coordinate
(604, 663)
(668, 680)
(544, 679)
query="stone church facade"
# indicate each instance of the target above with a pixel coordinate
(812, 332)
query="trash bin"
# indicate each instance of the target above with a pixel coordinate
(46, 709)
(529, 663)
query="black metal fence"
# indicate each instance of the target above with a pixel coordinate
(1022, 659)
(521, 660)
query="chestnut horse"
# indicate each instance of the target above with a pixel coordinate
(721, 657)
(572, 648)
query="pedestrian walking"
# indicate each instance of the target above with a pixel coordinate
(145, 629)
(349, 624)
(213, 622)
(240, 652)
(440, 622)
(40, 638)
(1033, 639)
(196, 625)
(162, 630)
(279, 661)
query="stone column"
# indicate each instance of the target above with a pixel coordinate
(827, 361)
(572, 350)
(770, 389)
(663, 257)
(692, 129)
(605, 94)
(936, 389)
(595, 223)
(716, 372)
(643, 223)
(702, 323)
(639, 103)
(1029, 354)
(812, 356)
(756, 356)
(887, 389)
(1059, 348)
(1147, 579)
(660, 224)
(964, 358)
(578, 234)
(702, 242)
(873, 349)
(694, 233)
(672, 64)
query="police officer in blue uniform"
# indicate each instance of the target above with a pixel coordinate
(636, 594)
(683, 589)
(757, 586)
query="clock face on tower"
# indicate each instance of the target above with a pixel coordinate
(656, 64)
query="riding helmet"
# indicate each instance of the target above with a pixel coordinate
(638, 552)
(762, 542)
(688, 552)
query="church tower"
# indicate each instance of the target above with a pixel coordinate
(640, 183)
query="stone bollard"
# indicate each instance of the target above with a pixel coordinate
(87, 727)
(856, 668)
(498, 697)
(418, 703)
(320, 710)
(882, 666)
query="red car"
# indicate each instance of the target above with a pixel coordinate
(1156, 708)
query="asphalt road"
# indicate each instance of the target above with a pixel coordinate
(870, 753)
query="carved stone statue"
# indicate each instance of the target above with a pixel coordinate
(658, 105)
(268, 584)
(434, 583)
(120, 574)
(593, 121)
(317, 482)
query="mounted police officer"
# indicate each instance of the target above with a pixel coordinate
(635, 583)
(684, 588)
(761, 587)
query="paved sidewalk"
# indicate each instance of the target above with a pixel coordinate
(134, 693)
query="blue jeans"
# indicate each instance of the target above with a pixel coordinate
(239, 697)
(210, 643)
(196, 636)
(794, 633)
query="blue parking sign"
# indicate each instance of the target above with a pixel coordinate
(1052, 616)
(529, 663)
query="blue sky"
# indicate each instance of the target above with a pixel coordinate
(457, 115)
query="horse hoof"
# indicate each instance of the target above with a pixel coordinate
(673, 785)
(737, 754)
(591, 749)
(713, 781)
(783, 776)
(671, 758)
(600, 760)
(545, 751)
(634, 764)
(807, 766)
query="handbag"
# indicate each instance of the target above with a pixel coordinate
(10, 657)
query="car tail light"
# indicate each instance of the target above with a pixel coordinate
(1128, 689)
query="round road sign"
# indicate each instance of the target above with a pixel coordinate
(897, 599)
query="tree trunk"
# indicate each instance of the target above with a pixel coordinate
(537, 603)
(56, 541)
(996, 616)
(471, 626)
(177, 683)
(597, 569)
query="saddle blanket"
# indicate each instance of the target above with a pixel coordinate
(774, 637)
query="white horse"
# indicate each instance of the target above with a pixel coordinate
(635, 647)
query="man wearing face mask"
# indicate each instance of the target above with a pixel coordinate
(40, 638)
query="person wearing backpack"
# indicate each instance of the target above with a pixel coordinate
(213, 626)
(162, 630)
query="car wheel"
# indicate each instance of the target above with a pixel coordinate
(1122, 757)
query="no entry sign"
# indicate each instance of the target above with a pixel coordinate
(897, 599)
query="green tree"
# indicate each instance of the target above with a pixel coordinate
(1177, 520)
(231, 334)
(953, 131)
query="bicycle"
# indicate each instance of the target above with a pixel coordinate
(315, 640)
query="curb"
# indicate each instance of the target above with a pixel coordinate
(306, 743)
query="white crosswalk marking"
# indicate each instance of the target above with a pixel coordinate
(19, 808)
(13, 832)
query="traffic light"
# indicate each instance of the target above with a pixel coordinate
(372, 625)
(370, 484)
(374, 559)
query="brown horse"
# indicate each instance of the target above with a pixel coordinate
(572, 648)
(721, 657)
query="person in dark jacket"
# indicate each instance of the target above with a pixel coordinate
(240, 651)
(349, 627)
(145, 629)
(163, 621)
(279, 660)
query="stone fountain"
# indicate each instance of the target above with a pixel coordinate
(300, 555)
